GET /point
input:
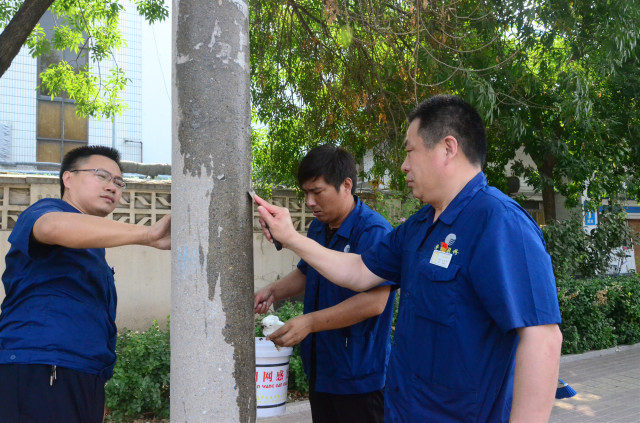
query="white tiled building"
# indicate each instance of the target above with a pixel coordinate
(35, 129)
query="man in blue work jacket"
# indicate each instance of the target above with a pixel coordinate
(477, 337)
(57, 327)
(345, 334)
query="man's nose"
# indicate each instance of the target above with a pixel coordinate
(311, 201)
(111, 186)
(405, 166)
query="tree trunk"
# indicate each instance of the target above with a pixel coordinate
(15, 34)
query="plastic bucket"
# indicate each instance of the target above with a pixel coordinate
(272, 378)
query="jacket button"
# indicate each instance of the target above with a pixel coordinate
(13, 357)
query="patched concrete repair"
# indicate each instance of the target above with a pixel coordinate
(212, 341)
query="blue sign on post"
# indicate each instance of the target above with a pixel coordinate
(589, 218)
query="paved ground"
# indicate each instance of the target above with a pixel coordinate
(608, 386)
(607, 382)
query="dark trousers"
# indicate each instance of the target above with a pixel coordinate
(352, 408)
(29, 395)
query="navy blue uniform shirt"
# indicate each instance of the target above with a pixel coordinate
(60, 304)
(468, 281)
(351, 360)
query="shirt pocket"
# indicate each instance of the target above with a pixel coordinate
(434, 293)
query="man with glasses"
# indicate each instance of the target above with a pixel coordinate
(57, 327)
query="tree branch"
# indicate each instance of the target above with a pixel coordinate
(15, 34)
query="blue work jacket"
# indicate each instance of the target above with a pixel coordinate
(60, 304)
(468, 281)
(351, 360)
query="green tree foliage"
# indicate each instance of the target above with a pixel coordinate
(558, 80)
(349, 72)
(578, 121)
(86, 28)
(580, 254)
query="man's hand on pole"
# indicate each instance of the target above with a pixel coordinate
(159, 235)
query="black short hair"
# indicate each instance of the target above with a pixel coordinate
(77, 155)
(443, 115)
(334, 163)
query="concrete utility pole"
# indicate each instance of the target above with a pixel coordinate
(212, 341)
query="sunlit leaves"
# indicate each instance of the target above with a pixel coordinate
(556, 80)
(349, 72)
(88, 28)
(95, 96)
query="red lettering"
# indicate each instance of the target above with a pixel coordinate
(267, 376)
(280, 375)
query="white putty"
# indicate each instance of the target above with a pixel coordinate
(242, 6)
(240, 57)
(270, 324)
(225, 52)
(216, 31)
(198, 320)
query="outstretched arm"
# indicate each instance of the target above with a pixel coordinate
(343, 269)
(536, 373)
(349, 312)
(75, 230)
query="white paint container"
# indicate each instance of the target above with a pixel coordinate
(272, 378)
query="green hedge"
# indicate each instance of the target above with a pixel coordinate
(140, 384)
(597, 313)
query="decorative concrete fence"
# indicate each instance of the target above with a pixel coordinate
(143, 275)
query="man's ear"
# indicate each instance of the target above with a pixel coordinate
(66, 180)
(347, 184)
(451, 146)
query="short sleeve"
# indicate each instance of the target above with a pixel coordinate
(21, 238)
(511, 272)
(384, 258)
(303, 266)
(371, 237)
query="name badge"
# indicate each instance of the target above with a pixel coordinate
(440, 258)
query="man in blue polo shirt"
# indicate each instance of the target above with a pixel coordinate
(344, 334)
(57, 326)
(477, 337)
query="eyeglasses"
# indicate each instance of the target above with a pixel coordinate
(104, 177)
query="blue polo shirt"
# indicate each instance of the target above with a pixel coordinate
(468, 281)
(60, 304)
(351, 360)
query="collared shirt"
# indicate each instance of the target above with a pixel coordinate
(60, 304)
(351, 360)
(468, 281)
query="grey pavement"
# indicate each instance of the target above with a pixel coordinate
(607, 382)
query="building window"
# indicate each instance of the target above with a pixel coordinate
(59, 129)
